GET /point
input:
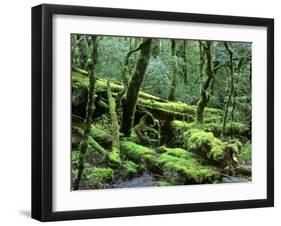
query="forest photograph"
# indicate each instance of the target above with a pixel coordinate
(159, 112)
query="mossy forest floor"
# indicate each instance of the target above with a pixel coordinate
(179, 151)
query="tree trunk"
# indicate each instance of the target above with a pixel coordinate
(202, 60)
(89, 111)
(129, 104)
(231, 86)
(155, 50)
(210, 75)
(185, 66)
(114, 155)
(174, 76)
(126, 70)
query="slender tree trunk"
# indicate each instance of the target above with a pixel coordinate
(210, 75)
(114, 155)
(171, 96)
(126, 70)
(129, 104)
(185, 66)
(233, 105)
(231, 86)
(155, 50)
(202, 60)
(92, 61)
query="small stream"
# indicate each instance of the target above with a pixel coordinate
(146, 180)
(230, 179)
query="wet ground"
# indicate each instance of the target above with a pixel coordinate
(146, 180)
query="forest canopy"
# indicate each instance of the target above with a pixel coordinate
(159, 112)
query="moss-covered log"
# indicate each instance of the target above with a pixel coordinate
(244, 169)
(177, 166)
(162, 108)
(98, 133)
(232, 129)
(205, 144)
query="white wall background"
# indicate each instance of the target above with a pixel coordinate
(15, 119)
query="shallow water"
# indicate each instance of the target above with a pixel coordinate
(142, 181)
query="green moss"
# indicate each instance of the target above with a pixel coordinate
(178, 170)
(169, 106)
(231, 129)
(134, 151)
(99, 175)
(114, 158)
(81, 81)
(178, 166)
(176, 152)
(245, 156)
(130, 169)
(199, 138)
(236, 129)
(97, 132)
(163, 183)
(206, 143)
(75, 158)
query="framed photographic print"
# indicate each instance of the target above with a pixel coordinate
(146, 112)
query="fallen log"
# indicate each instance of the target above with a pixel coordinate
(96, 132)
(162, 109)
(232, 129)
(177, 166)
(244, 169)
(193, 137)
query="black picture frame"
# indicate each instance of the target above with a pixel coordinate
(42, 111)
